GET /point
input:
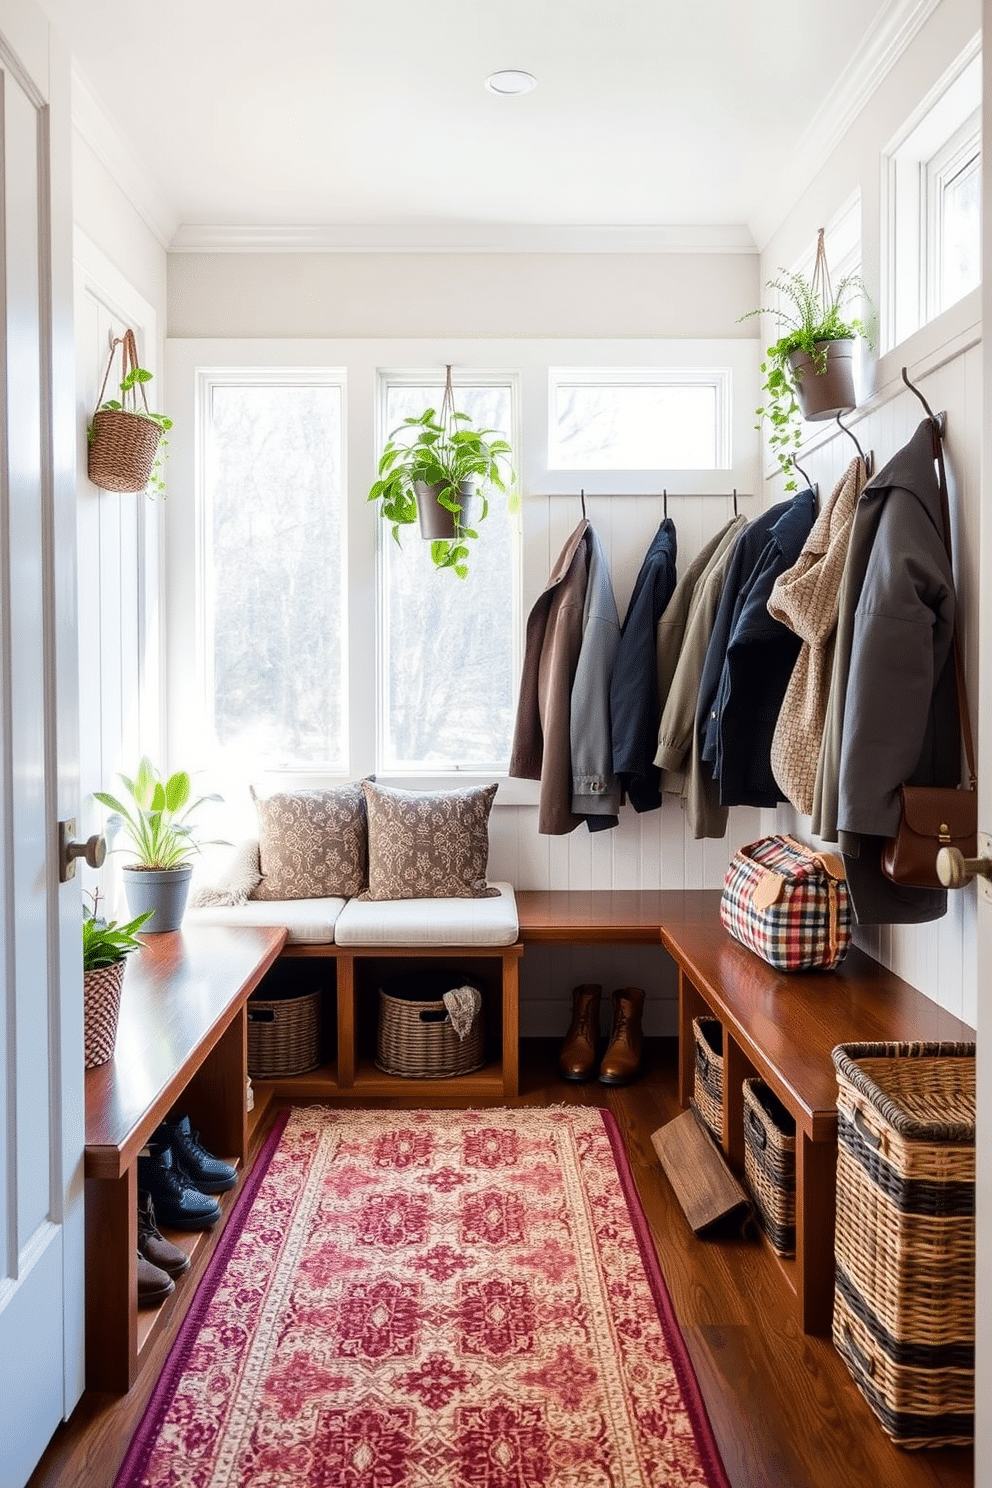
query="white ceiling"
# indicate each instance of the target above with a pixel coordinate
(370, 116)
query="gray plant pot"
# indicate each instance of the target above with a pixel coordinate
(822, 395)
(436, 522)
(162, 890)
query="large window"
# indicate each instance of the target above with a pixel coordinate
(272, 578)
(450, 646)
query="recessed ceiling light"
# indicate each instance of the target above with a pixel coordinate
(511, 81)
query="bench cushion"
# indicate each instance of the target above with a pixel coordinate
(441, 922)
(309, 921)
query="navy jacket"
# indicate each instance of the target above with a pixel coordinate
(635, 708)
(756, 671)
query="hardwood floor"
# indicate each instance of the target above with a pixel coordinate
(784, 1409)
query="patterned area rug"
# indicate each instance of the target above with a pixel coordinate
(431, 1299)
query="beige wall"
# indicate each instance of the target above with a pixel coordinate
(461, 294)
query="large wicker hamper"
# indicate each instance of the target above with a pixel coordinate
(707, 1083)
(905, 1249)
(283, 1033)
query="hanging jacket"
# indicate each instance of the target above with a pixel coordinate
(595, 788)
(892, 710)
(678, 709)
(542, 744)
(678, 751)
(805, 599)
(746, 554)
(671, 626)
(634, 708)
(760, 656)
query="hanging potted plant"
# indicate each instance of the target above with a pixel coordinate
(157, 824)
(436, 468)
(809, 371)
(106, 946)
(125, 442)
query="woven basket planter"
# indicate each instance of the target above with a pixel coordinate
(283, 1035)
(707, 1085)
(415, 1037)
(770, 1164)
(905, 1247)
(122, 450)
(101, 1007)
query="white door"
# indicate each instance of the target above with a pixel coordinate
(41, 1058)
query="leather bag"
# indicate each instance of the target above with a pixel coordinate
(934, 816)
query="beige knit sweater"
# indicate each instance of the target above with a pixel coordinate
(805, 599)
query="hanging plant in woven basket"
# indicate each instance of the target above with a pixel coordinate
(124, 439)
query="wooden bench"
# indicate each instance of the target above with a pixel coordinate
(779, 1026)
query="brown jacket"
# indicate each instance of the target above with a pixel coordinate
(542, 747)
(805, 599)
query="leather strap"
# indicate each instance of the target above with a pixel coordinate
(964, 712)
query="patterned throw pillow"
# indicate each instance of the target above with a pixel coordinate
(428, 844)
(312, 844)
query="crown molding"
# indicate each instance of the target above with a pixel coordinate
(103, 137)
(462, 238)
(877, 54)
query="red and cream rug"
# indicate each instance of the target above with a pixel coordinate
(431, 1299)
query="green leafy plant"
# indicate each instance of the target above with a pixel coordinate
(811, 315)
(157, 821)
(442, 449)
(106, 941)
(128, 403)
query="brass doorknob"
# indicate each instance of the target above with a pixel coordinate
(955, 870)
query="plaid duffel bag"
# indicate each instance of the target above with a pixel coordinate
(789, 904)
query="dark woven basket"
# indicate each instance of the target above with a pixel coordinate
(904, 1307)
(415, 1037)
(283, 1035)
(770, 1164)
(707, 1085)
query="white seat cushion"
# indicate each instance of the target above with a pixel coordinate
(448, 922)
(309, 921)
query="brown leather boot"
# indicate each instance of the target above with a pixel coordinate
(622, 1060)
(577, 1060)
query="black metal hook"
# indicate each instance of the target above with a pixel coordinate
(735, 501)
(869, 458)
(664, 498)
(938, 420)
(811, 485)
(582, 498)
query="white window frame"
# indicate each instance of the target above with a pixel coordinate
(961, 151)
(207, 379)
(720, 379)
(914, 164)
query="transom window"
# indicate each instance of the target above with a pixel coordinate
(639, 419)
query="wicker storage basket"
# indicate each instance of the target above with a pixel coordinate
(415, 1036)
(283, 1034)
(770, 1164)
(101, 1007)
(122, 451)
(707, 1084)
(905, 1248)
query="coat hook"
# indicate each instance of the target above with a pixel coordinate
(811, 485)
(735, 501)
(869, 458)
(582, 498)
(939, 420)
(664, 497)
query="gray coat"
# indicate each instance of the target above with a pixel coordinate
(892, 710)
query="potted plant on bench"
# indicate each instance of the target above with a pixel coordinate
(436, 466)
(158, 825)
